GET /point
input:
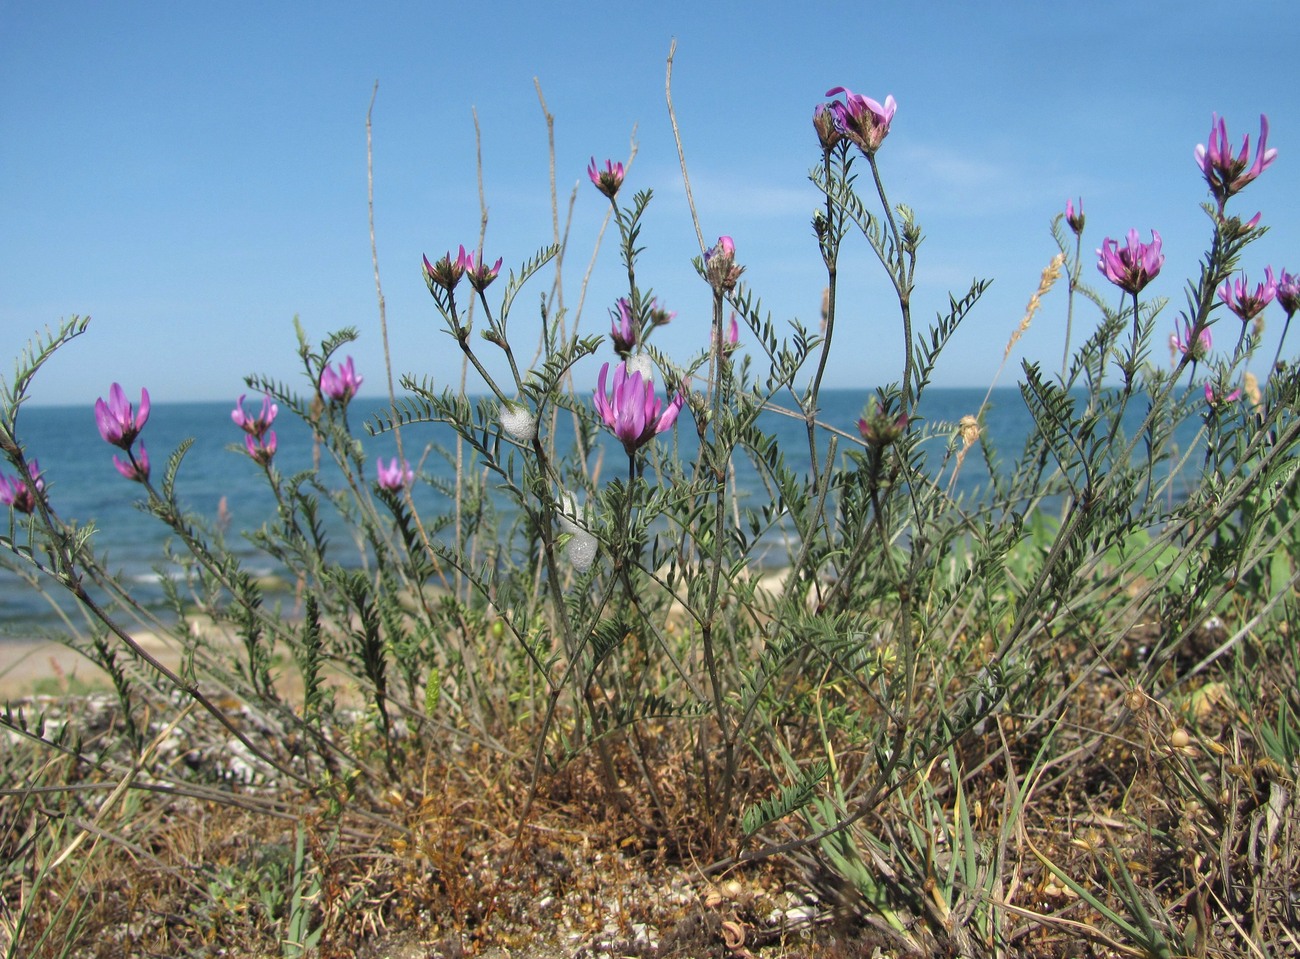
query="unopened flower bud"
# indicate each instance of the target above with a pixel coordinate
(660, 316)
(881, 430)
(720, 264)
(1073, 217)
(828, 134)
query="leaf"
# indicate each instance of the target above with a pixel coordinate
(789, 798)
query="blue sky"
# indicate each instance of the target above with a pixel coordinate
(194, 175)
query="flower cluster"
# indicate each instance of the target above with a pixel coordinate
(479, 274)
(622, 328)
(720, 264)
(1183, 343)
(659, 316)
(260, 441)
(120, 424)
(341, 385)
(631, 410)
(1245, 302)
(1288, 292)
(1218, 400)
(608, 180)
(881, 429)
(15, 492)
(730, 337)
(447, 272)
(828, 130)
(1132, 266)
(395, 476)
(861, 119)
(1228, 175)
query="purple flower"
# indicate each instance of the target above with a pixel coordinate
(15, 492)
(255, 425)
(118, 423)
(1217, 401)
(1226, 174)
(607, 180)
(479, 275)
(1288, 292)
(724, 248)
(340, 386)
(882, 430)
(631, 410)
(1133, 266)
(135, 466)
(1245, 303)
(862, 119)
(720, 264)
(261, 446)
(1181, 342)
(731, 337)
(397, 475)
(621, 328)
(1074, 218)
(446, 273)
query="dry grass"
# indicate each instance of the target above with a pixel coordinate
(1179, 796)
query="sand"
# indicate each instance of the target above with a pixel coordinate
(42, 666)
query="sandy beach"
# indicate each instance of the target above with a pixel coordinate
(42, 666)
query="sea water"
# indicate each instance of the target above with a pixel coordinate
(218, 480)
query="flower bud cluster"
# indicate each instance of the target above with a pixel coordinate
(120, 424)
(17, 493)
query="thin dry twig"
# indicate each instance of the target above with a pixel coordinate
(681, 153)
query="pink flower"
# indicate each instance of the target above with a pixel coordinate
(1072, 218)
(15, 492)
(480, 276)
(136, 466)
(446, 273)
(1216, 402)
(631, 410)
(1182, 343)
(607, 180)
(397, 475)
(1288, 292)
(720, 264)
(1246, 304)
(255, 425)
(621, 328)
(117, 422)
(862, 119)
(725, 246)
(340, 386)
(731, 337)
(882, 430)
(1225, 174)
(261, 446)
(1133, 266)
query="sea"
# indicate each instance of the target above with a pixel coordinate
(218, 481)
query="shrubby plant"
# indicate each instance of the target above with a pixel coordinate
(923, 682)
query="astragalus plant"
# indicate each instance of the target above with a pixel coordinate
(974, 717)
